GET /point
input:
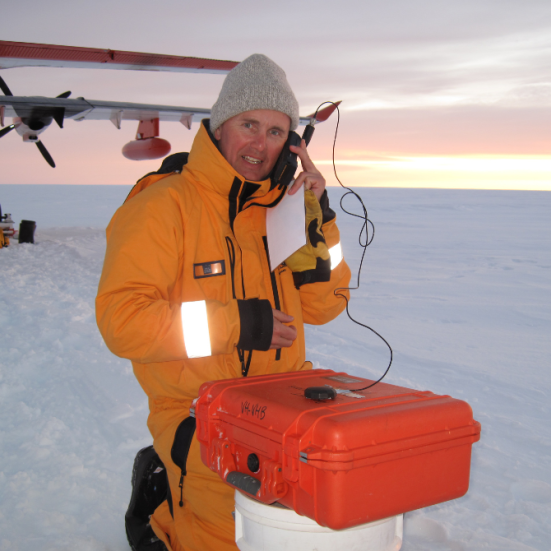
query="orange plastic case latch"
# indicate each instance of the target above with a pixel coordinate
(273, 487)
(222, 460)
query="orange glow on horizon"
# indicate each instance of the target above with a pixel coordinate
(445, 172)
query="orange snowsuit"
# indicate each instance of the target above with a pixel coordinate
(199, 238)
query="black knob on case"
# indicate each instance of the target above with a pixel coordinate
(253, 463)
(320, 393)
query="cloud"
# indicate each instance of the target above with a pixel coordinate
(533, 95)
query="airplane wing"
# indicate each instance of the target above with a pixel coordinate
(26, 54)
(80, 109)
(32, 115)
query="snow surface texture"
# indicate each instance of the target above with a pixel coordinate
(459, 282)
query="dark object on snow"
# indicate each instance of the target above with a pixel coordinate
(149, 490)
(26, 231)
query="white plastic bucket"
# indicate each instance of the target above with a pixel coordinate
(260, 527)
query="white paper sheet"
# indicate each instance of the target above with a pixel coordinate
(285, 227)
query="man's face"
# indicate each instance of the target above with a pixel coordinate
(252, 141)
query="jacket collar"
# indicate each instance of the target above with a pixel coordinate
(211, 170)
(214, 172)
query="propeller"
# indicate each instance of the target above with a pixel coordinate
(7, 129)
(4, 87)
(39, 144)
(45, 153)
(57, 114)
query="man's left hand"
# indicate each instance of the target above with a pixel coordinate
(310, 176)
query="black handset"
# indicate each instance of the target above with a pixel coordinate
(286, 165)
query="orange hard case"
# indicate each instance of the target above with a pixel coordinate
(364, 456)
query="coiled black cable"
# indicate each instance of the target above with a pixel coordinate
(364, 243)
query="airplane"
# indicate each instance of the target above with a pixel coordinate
(32, 115)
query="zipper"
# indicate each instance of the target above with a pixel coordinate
(274, 288)
(245, 363)
(231, 255)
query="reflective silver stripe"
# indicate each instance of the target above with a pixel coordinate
(336, 255)
(196, 329)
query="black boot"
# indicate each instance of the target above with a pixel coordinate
(149, 490)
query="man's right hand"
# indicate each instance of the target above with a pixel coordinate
(283, 335)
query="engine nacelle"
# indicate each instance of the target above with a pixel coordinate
(145, 149)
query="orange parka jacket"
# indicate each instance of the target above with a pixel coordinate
(161, 246)
(198, 238)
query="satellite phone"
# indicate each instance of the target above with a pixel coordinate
(286, 165)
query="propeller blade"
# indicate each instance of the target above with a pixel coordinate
(58, 114)
(45, 153)
(4, 131)
(4, 87)
(64, 95)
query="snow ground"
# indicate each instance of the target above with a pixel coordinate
(459, 282)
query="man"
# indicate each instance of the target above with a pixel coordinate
(187, 292)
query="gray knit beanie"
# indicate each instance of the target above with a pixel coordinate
(256, 83)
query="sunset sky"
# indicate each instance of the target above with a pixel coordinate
(436, 93)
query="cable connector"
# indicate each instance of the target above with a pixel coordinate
(308, 131)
